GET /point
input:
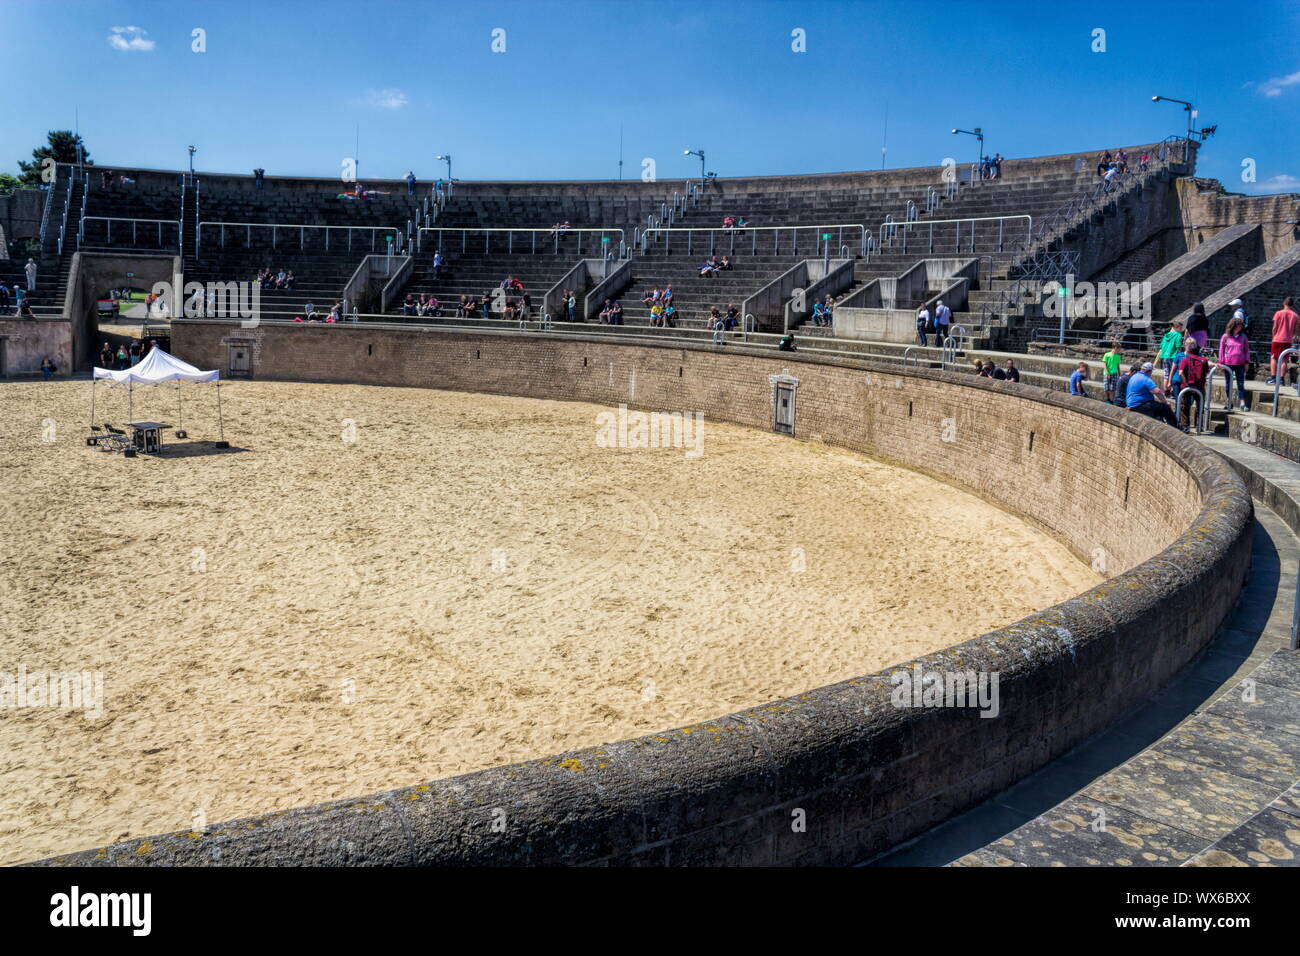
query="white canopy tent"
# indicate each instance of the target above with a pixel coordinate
(157, 368)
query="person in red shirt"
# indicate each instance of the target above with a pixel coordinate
(1285, 325)
(1191, 373)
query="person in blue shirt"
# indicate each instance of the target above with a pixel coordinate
(1079, 376)
(1146, 398)
(1176, 379)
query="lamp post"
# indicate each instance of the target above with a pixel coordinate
(193, 150)
(1191, 117)
(699, 153)
(979, 135)
(446, 159)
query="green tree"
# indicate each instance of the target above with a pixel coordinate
(63, 146)
(8, 184)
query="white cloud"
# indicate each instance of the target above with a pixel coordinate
(128, 39)
(1277, 84)
(1278, 184)
(389, 99)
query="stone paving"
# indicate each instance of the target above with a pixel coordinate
(1206, 774)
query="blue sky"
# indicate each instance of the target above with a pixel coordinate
(286, 84)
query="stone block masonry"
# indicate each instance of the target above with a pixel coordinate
(838, 774)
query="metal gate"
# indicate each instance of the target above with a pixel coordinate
(784, 408)
(241, 361)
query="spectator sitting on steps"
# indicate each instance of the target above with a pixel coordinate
(1077, 378)
(1012, 373)
(1146, 398)
(47, 368)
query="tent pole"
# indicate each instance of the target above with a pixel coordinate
(180, 408)
(221, 428)
(130, 400)
(92, 404)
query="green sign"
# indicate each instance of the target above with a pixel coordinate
(604, 238)
(130, 275)
(1063, 292)
(826, 235)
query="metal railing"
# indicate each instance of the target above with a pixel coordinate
(1202, 408)
(791, 234)
(890, 229)
(948, 354)
(552, 237)
(1277, 377)
(49, 201)
(1232, 382)
(135, 224)
(289, 229)
(67, 206)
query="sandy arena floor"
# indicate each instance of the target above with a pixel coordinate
(470, 581)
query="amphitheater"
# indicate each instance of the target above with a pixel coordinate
(439, 604)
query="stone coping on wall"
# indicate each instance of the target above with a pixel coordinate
(1014, 168)
(835, 775)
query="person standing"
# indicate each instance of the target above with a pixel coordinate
(1239, 312)
(1198, 326)
(258, 175)
(571, 305)
(437, 263)
(922, 325)
(1285, 326)
(1234, 355)
(410, 182)
(4, 299)
(30, 269)
(1170, 344)
(1191, 372)
(1112, 360)
(942, 320)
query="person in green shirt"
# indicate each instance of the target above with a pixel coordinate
(1112, 360)
(1170, 345)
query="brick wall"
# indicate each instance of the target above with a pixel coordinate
(864, 774)
(1206, 208)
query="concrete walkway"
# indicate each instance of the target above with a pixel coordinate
(1206, 773)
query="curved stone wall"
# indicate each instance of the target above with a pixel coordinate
(840, 773)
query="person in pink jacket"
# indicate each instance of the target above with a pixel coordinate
(1234, 355)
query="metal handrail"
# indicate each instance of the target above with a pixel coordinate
(907, 354)
(948, 354)
(1277, 377)
(248, 228)
(732, 232)
(906, 227)
(81, 230)
(533, 231)
(1209, 382)
(1202, 411)
(67, 206)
